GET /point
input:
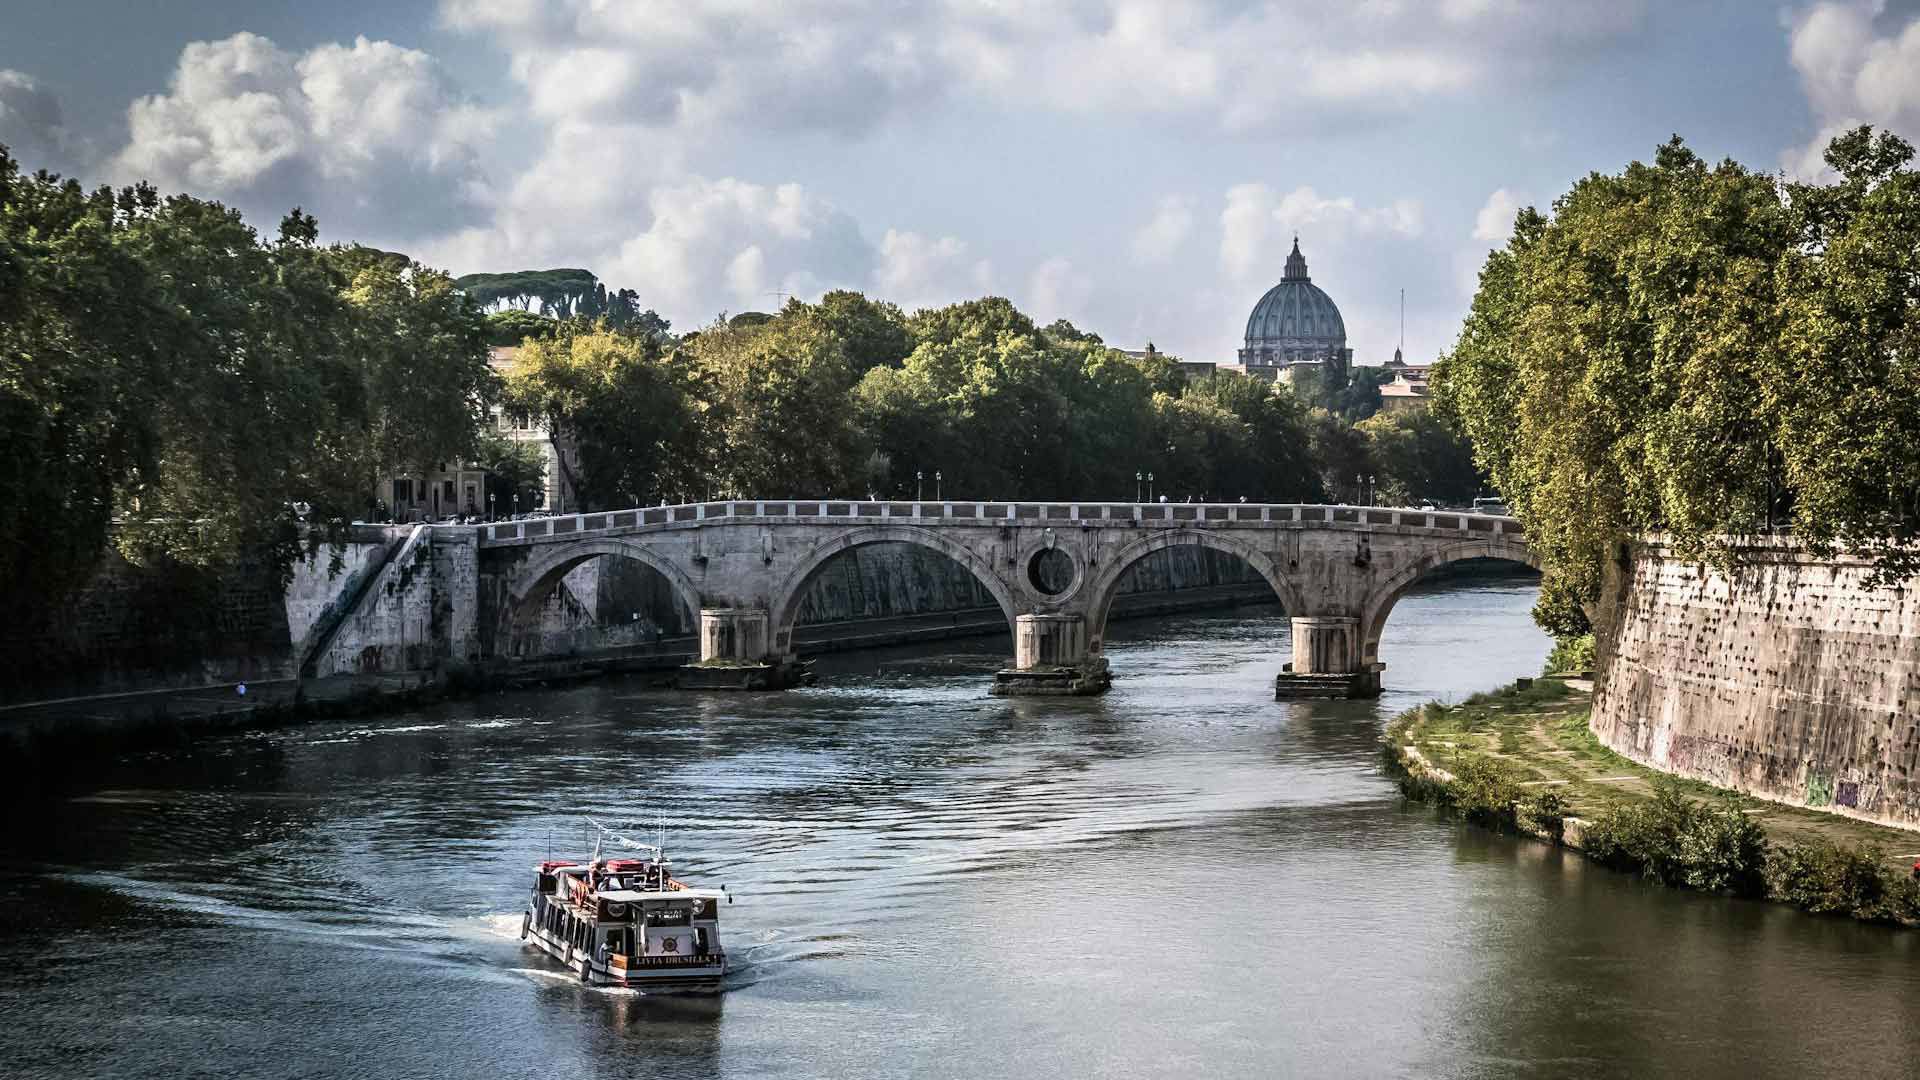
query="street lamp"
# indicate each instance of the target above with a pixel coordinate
(1136, 485)
(491, 497)
(936, 486)
(1149, 487)
(515, 503)
(919, 485)
(1369, 489)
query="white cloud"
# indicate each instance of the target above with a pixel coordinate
(368, 136)
(1853, 75)
(1494, 222)
(917, 271)
(728, 241)
(30, 124)
(1256, 224)
(848, 65)
(1058, 291)
(1161, 237)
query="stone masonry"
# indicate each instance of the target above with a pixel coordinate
(1788, 678)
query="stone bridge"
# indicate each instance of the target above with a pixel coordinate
(1053, 567)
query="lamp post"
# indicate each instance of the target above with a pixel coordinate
(936, 487)
(919, 485)
(1369, 490)
(491, 497)
(515, 502)
(1149, 487)
(1136, 485)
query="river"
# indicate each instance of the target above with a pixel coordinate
(1181, 878)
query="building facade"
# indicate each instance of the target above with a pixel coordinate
(1408, 390)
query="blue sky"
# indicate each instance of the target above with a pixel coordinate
(1137, 166)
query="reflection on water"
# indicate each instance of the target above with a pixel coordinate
(1183, 877)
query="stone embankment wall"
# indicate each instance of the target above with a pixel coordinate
(1788, 678)
(136, 628)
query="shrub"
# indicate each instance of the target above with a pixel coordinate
(1828, 879)
(1723, 850)
(1484, 791)
(1544, 810)
(1570, 654)
(1675, 841)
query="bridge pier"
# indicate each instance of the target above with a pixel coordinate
(1051, 659)
(734, 654)
(1327, 661)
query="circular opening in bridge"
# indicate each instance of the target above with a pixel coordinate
(1050, 571)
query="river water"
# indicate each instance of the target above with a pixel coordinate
(1182, 878)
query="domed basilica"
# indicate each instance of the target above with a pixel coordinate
(1294, 326)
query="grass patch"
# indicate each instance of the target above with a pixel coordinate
(1523, 758)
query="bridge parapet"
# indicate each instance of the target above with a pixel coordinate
(975, 513)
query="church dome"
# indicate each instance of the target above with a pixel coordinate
(1295, 320)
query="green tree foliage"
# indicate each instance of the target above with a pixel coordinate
(777, 410)
(1842, 391)
(516, 472)
(513, 326)
(620, 415)
(1417, 458)
(1339, 453)
(173, 384)
(873, 332)
(562, 294)
(1698, 350)
(1235, 437)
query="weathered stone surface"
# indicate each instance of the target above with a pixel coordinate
(1789, 678)
(1343, 567)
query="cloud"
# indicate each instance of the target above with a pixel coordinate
(1257, 221)
(846, 66)
(31, 127)
(917, 271)
(1057, 291)
(1853, 74)
(730, 241)
(1161, 237)
(1494, 222)
(369, 136)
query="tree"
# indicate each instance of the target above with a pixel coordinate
(1843, 389)
(1232, 436)
(1340, 454)
(513, 326)
(620, 413)
(777, 409)
(873, 332)
(1611, 372)
(1417, 458)
(175, 386)
(422, 346)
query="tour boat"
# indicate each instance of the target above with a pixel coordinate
(628, 922)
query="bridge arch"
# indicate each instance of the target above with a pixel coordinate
(529, 585)
(1104, 582)
(788, 596)
(1381, 599)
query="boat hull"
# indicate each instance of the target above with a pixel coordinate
(655, 978)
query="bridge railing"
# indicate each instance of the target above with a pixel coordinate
(975, 512)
